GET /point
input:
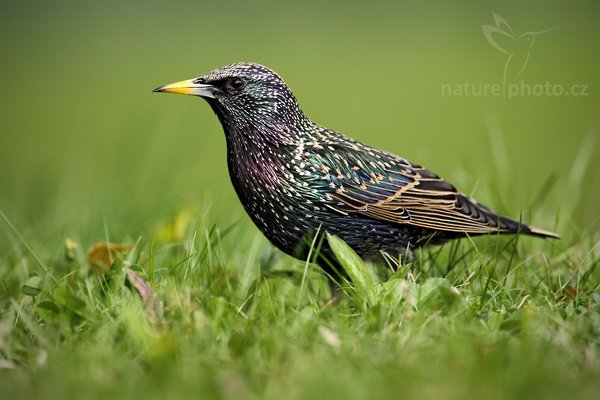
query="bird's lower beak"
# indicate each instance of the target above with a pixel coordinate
(188, 87)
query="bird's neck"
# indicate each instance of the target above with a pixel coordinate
(258, 148)
(278, 124)
(254, 157)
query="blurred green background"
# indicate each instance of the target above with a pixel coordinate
(84, 143)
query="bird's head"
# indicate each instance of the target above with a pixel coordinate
(244, 95)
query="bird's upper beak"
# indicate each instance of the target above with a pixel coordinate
(189, 87)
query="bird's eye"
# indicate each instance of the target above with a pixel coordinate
(235, 83)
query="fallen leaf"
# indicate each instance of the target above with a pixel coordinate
(154, 308)
(569, 292)
(142, 287)
(102, 255)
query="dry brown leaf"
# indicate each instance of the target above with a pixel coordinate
(143, 288)
(154, 308)
(102, 255)
(569, 292)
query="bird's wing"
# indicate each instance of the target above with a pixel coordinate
(387, 187)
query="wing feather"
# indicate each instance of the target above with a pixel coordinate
(397, 191)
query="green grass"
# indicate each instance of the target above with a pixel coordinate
(231, 318)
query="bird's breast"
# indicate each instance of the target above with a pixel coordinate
(277, 197)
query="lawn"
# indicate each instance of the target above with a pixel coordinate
(224, 315)
(128, 268)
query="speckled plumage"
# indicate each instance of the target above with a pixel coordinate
(295, 177)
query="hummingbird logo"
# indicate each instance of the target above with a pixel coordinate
(516, 47)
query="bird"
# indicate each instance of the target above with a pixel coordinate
(296, 178)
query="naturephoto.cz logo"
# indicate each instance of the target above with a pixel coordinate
(518, 49)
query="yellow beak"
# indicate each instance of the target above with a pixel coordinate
(188, 87)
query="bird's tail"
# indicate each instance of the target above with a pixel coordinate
(533, 231)
(509, 225)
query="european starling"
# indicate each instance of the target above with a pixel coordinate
(295, 177)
